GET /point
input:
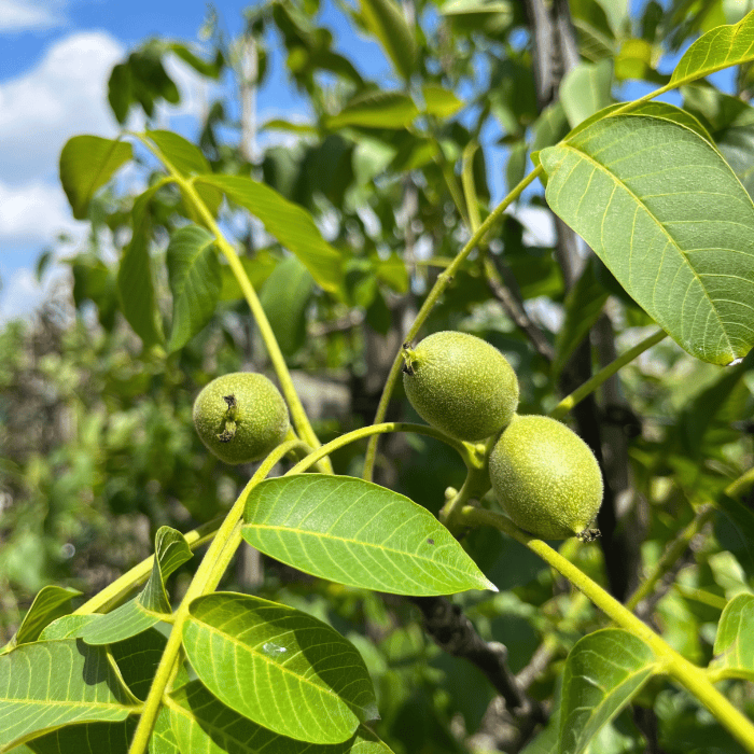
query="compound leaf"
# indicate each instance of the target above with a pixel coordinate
(279, 667)
(357, 533)
(386, 21)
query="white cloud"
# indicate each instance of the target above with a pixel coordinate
(65, 94)
(27, 15)
(35, 213)
(23, 294)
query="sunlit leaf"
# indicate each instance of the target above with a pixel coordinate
(50, 603)
(386, 21)
(668, 217)
(66, 627)
(357, 533)
(163, 739)
(86, 164)
(719, 48)
(440, 101)
(49, 684)
(292, 225)
(279, 667)
(202, 723)
(734, 643)
(195, 279)
(152, 604)
(603, 672)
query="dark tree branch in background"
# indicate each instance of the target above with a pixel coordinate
(514, 308)
(454, 633)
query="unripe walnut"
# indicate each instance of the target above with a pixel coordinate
(546, 478)
(460, 384)
(241, 417)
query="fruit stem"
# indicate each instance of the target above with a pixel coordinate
(692, 677)
(604, 374)
(298, 414)
(443, 281)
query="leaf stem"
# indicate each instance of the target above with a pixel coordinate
(205, 580)
(604, 374)
(693, 678)
(443, 281)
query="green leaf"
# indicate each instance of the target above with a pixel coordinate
(279, 667)
(676, 237)
(586, 90)
(290, 224)
(202, 723)
(90, 738)
(550, 127)
(742, 518)
(258, 268)
(46, 685)
(195, 278)
(357, 533)
(188, 160)
(184, 156)
(163, 740)
(386, 21)
(86, 164)
(734, 643)
(583, 306)
(152, 604)
(603, 672)
(285, 298)
(720, 48)
(66, 627)
(377, 109)
(50, 603)
(135, 281)
(440, 101)
(137, 658)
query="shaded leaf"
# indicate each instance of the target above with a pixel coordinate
(377, 109)
(550, 127)
(586, 89)
(147, 609)
(290, 224)
(734, 642)
(386, 21)
(202, 723)
(137, 658)
(135, 280)
(50, 603)
(583, 306)
(86, 164)
(285, 298)
(279, 667)
(49, 684)
(357, 533)
(195, 279)
(717, 49)
(675, 236)
(603, 672)
(742, 518)
(90, 738)
(258, 268)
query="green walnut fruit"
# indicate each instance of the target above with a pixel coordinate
(546, 478)
(241, 417)
(460, 384)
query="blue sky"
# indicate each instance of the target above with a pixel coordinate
(55, 59)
